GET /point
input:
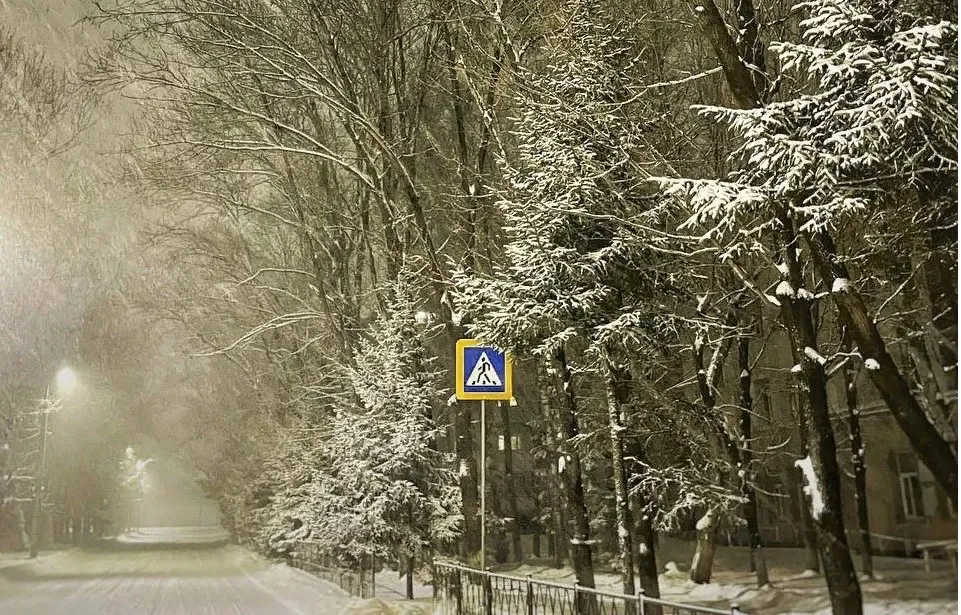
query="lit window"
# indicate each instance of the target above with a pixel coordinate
(515, 443)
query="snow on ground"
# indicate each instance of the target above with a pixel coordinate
(190, 577)
(200, 534)
(391, 586)
(379, 606)
(179, 578)
(902, 586)
(17, 558)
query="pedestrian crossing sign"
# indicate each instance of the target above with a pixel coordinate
(483, 372)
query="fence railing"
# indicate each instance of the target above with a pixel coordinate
(882, 544)
(358, 583)
(459, 590)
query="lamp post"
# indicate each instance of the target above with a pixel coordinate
(38, 482)
(65, 379)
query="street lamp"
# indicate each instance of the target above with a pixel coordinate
(66, 379)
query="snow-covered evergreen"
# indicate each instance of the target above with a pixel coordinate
(876, 113)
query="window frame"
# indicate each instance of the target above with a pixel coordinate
(911, 488)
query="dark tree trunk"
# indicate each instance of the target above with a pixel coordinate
(747, 487)
(647, 559)
(812, 559)
(738, 77)
(929, 445)
(410, 578)
(467, 477)
(625, 522)
(702, 565)
(580, 544)
(822, 474)
(558, 525)
(857, 459)
(556, 533)
(504, 411)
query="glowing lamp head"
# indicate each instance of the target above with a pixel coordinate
(66, 379)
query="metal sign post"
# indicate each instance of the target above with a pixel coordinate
(482, 373)
(483, 485)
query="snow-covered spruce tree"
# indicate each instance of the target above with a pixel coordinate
(879, 126)
(384, 489)
(283, 523)
(583, 266)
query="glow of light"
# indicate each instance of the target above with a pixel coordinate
(66, 379)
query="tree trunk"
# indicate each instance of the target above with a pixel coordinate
(857, 459)
(25, 538)
(739, 79)
(580, 544)
(703, 562)
(467, 477)
(555, 548)
(930, 447)
(625, 523)
(758, 565)
(558, 523)
(515, 526)
(820, 468)
(812, 559)
(647, 560)
(706, 377)
(410, 577)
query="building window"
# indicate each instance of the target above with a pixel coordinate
(912, 493)
(515, 443)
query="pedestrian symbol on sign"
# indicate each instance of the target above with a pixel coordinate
(483, 374)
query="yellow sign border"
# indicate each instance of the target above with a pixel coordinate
(460, 393)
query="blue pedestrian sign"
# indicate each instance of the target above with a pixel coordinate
(483, 372)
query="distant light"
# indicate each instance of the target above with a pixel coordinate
(422, 317)
(66, 379)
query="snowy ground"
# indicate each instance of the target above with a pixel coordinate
(190, 571)
(184, 579)
(175, 535)
(902, 586)
(391, 586)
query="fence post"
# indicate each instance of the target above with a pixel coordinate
(488, 593)
(640, 601)
(577, 601)
(530, 596)
(459, 592)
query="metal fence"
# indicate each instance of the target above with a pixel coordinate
(459, 590)
(358, 583)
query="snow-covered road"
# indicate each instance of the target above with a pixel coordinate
(168, 572)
